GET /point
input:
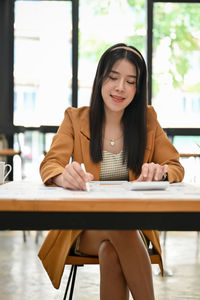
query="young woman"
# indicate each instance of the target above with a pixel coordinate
(117, 138)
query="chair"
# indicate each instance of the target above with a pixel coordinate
(78, 261)
(6, 152)
(38, 234)
(9, 152)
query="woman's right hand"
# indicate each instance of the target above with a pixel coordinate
(73, 177)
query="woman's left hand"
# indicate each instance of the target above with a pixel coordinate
(152, 172)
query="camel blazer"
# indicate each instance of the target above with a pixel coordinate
(73, 141)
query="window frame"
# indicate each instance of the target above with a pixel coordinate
(6, 66)
(169, 131)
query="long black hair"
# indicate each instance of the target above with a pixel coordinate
(134, 117)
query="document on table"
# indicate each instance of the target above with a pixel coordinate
(98, 189)
(37, 190)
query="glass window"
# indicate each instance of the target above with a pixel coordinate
(191, 164)
(187, 144)
(42, 62)
(176, 64)
(102, 24)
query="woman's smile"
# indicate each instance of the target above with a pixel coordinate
(117, 99)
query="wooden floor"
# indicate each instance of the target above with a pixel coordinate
(23, 277)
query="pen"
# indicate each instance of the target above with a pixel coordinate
(87, 183)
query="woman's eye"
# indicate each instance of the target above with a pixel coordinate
(112, 78)
(131, 82)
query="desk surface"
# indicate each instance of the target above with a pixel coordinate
(31, 205)
(34, 196)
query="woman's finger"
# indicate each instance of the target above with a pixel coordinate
(152, 172)
(158, 172)
(69, 183)
(75, 176)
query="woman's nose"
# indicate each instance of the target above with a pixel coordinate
(120, 85)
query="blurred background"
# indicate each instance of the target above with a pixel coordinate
(50, 51)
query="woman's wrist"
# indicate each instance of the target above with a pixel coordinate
(58, 179)
(165, 177)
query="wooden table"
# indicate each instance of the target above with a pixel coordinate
(162, 210)
(187, 155)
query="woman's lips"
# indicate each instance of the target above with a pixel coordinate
(117, 99)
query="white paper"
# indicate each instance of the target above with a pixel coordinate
(107, 190)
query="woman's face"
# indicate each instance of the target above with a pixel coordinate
(119, 88)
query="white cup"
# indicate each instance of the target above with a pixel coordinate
(3, 167)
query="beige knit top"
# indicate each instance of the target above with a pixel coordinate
(112, 167)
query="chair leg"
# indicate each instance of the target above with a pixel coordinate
(73, 283)
(71, 279)
(38, 234)
(165, 237)
(24, 236)
(68, 281)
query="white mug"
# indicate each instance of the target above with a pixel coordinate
(3, 167)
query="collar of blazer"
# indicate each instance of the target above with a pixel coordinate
(95, 168)
(85, 124)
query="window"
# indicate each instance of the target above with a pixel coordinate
(189, 145)
(102, 24)
(42, 62)
(176, 64)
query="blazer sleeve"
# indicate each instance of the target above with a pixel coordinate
(163, 151)
(60, 151)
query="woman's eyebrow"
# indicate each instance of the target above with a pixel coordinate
(115, 72)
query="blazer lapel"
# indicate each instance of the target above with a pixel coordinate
(91, 167)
